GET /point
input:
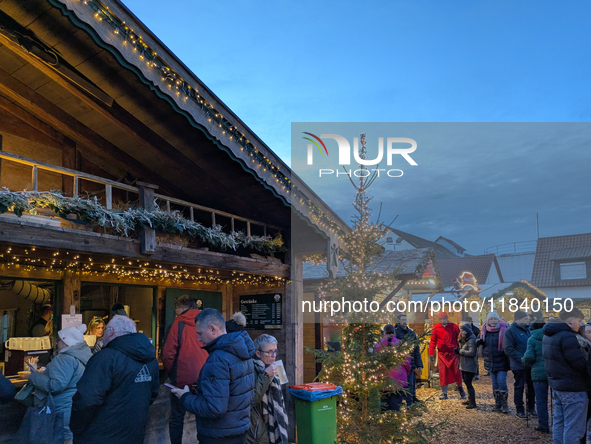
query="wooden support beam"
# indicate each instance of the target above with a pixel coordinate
(147, 234)
(72, 128)
(35, 179)
(17, 231)
(393, 292)
(69, 160)
(71, 288)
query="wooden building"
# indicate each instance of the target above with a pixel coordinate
(95, 109)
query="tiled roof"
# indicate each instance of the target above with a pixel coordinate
(551, 249)
(451, 242)
(419, 242)
(479, 266)
(406, 261)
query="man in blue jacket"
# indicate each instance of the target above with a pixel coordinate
(225, 388)
(515, 346)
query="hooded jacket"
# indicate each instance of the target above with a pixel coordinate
(515, 344)
(399, 373)
(115, 392)
(564, 361)
(61, 376)
(415, 356)
(225, 388)
(184, 361)
(533, 356)
(467, 352)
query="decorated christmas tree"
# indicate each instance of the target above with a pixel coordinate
(361, 370)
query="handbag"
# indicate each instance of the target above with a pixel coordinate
(25, 395)
(42, 425)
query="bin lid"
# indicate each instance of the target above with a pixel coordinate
(313, 386)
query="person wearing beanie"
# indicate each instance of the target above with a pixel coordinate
(468, 361)
(118, 309)
(444, 338)
(566, 369)
(63, 373)
(496, 361)
(515, 345)
(237, 323)
(393, 399)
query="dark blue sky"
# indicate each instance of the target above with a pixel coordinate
(274, 63)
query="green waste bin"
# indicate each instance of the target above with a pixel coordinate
(316, 422)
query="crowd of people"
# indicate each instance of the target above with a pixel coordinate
(544, 357)
(216, 372)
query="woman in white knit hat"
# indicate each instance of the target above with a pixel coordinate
(63, 372)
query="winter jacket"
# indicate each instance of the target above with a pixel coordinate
(415, 356)
(533, 356)
(258, 432)
(7, 389)
(225, 388)
(475, 331)
(515, 344)
(61, 376)
(115, 392)
(183, 363)
(564, 361)
(495, 360)
(468, 357)
(401, 372)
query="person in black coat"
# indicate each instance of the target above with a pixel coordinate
(566, 368)
(515, 346)
(403, 331)
(117, 387)
(495, 360)
(225, 388)
(476, 333)
(7, 389)
(468, 361)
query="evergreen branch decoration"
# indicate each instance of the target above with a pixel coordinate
(126, 223)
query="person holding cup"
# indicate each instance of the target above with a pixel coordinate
(268, 417)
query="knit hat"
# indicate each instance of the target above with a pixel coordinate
(442, 315)
(467, 328)
(389, 329)
(118, 309)
(493, 314)
(237, 323)
(72, 335)
(519, 315)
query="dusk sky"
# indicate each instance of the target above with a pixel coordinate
(274, 63)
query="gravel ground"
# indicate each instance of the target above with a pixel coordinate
(478, 425)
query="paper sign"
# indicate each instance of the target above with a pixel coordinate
(281, 372)
(71, 320)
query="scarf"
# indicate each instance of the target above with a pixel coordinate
(500, 327)
(585, 345)
(274, 408)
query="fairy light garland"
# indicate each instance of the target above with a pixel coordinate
(175, 82)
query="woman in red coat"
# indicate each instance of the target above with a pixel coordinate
(445, 338)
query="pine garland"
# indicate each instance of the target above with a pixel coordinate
(126, 223)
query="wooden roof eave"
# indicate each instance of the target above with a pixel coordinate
(82, 15)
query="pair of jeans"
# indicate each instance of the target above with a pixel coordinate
(176, 420)
(541, 389)
(467, 377)
(499, 380)
(523, 379)
(570, 417)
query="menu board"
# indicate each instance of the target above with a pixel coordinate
(262, 311)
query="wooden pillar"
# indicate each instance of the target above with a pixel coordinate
(294, 335)
(69, 160)
(71, 286)
(147, 234)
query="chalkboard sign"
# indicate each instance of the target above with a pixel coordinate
(262, 311)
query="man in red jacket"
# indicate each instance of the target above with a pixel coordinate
(183, 358)
(444, 338)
